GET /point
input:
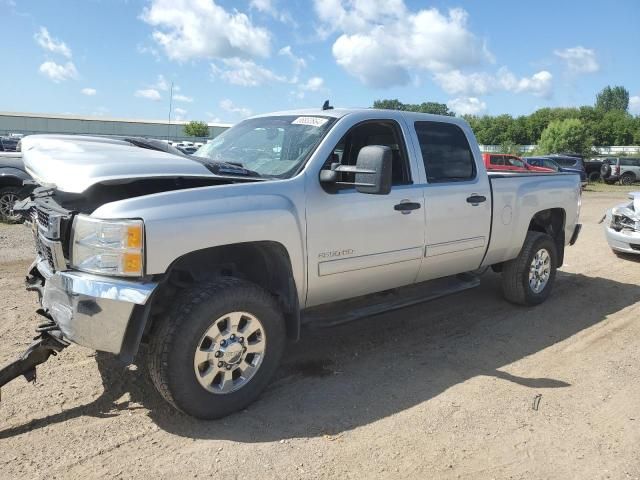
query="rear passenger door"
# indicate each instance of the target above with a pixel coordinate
(457, 200)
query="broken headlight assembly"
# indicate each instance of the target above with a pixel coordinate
(624, 218)
(108, 247)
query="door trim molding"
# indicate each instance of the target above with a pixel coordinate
(435, 249)
(361, 262)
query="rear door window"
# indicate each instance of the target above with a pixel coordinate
(496, 160)
(445, 152)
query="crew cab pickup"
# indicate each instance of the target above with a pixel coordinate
(215, 260)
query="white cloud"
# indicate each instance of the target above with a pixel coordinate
(268, 7)
(382, 43)
(149, 94)
(579, 59)
(182, 98)
(57, 72)
(161, 83)
(246, 73)
(455, 82)
(467, 105)
(53, 45)
(299, 63)
(179, 113)
(192, 29)
(228, 106)
(313, 84)
(89, 92)
(634, 105)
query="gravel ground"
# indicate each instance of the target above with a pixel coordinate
(441, 390)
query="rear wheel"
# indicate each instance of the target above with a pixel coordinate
(594, 177)
(528, 279)
(8, 197)
(217, 349)
(627, 179)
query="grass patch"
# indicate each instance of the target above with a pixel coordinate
(615, 188)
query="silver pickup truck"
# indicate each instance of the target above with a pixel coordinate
(214, 261)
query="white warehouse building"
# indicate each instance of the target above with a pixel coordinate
(31, 123)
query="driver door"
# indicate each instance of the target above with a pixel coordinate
(360, 243)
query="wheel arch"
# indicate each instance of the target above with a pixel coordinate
(552, 222)
(265, 263)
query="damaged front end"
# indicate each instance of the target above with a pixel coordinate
(622, 226)
(96, 311)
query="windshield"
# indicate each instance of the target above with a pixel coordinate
(271, 146)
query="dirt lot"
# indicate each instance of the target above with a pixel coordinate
(441, 390)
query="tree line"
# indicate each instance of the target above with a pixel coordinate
(575, 129)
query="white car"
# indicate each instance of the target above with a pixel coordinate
(622, 226)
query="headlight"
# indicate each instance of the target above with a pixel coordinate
(109, 247)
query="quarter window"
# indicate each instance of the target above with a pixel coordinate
(445, 151)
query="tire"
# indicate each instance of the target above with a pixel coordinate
(516, 284)
(8, 195)
(177, 339)
(627, 179)
(594, 177)
(605, 171)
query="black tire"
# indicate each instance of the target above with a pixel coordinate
(515, 273)
(9, 194)
(627, 179)
(605, 170)
(594, 177)
(177, 335)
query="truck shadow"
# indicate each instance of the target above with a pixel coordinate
(337, 379)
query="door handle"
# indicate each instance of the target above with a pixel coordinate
(406, 207)
(476, 199)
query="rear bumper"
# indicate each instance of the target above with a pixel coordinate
(624, 241)
(91, 310)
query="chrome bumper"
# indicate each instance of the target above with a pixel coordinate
(91, 310)
(623, 241)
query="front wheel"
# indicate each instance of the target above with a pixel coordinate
(528, 278)
(8, 197)
(217, 349)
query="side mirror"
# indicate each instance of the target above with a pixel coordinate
(373, 170)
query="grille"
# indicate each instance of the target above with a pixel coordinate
(43, 218)
(44, 251)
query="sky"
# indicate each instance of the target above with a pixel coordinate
(231, 59)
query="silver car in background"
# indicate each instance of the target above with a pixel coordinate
(622, 226)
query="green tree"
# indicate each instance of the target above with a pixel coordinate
(196, 129)
(568, 135)
(613, 98)
(425, 107)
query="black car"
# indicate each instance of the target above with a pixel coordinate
(8, 144)
(12, 174)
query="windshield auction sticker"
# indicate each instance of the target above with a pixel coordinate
(311, 121)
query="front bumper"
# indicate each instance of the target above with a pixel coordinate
(625, 241)
(91, 310)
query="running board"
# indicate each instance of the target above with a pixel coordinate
(345, 311)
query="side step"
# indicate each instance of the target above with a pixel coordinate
(368, 305)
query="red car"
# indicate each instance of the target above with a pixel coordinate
(509, 163)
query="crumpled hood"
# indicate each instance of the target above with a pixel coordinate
(74, 163)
